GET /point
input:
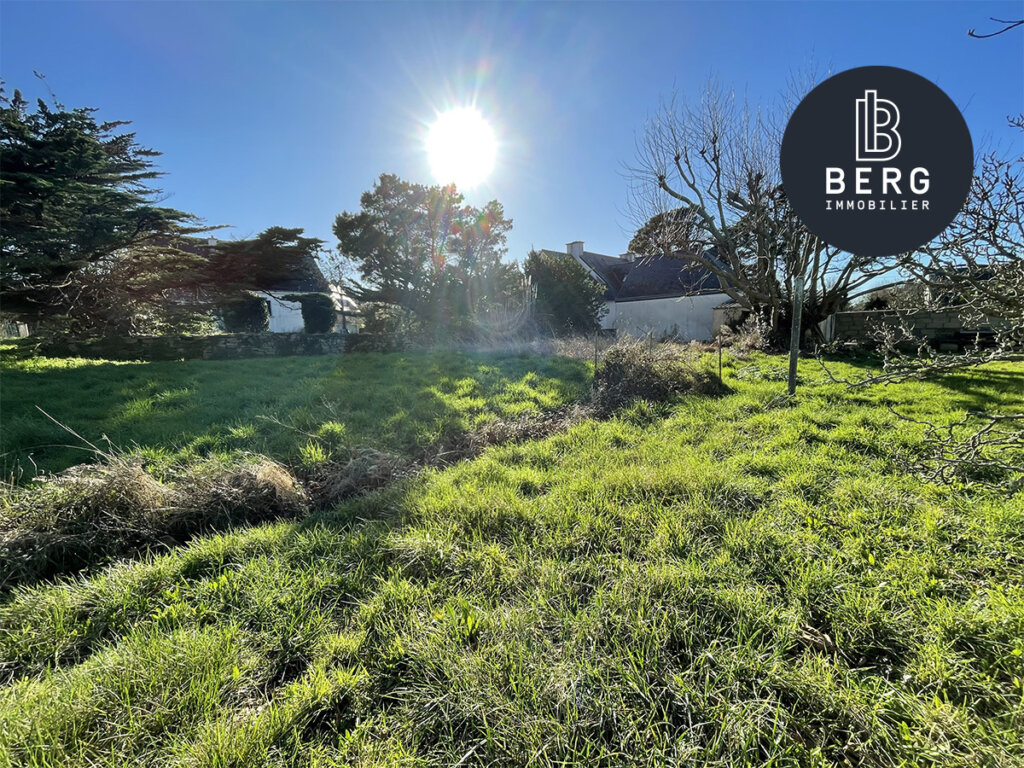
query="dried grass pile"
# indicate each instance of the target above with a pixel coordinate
(93, 513)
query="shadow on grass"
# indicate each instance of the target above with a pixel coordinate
(190, 409)
(1002, 385)
(93, 515)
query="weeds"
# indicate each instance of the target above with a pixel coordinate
(92, 513)
(637, 370)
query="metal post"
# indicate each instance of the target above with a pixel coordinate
(720, 359)
(794, 339)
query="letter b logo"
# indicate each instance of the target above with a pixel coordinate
(885, 179)
(877, 137)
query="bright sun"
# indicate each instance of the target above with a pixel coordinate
(461, 147)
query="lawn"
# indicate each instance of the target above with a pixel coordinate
(177, 411)
(723, 581)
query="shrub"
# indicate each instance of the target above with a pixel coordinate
(568, 300)
(753, 334)
(381, 319)
(318, 313)
(635, 370)
(248, 314)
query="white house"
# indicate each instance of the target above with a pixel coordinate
(286, 313)
(286, 316)
(653, 294)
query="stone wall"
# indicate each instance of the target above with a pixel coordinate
(228, 346)
(935, 326)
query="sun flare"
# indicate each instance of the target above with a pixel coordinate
(461, 148)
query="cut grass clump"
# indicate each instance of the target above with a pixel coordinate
(361, 471)
(256, 489)
(82, 516)
(636, 370)
(527, 426)
(93, 513)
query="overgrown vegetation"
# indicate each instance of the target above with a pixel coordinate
(317, 312)
(637, 370)
(93, 513)
(743, 580)
(569, 301)
(245, 313)
(96, 512)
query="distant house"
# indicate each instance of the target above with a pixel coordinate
(286, 313)
(652, 294)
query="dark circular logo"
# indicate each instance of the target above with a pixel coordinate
(877, 161)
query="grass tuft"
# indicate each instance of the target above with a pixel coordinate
(638, 370)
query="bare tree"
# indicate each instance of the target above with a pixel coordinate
(706, 188)
(1008, 24)
(976, 267)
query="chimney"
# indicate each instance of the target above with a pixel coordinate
(575, 248)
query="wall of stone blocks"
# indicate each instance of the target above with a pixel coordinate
(934, 326)
(230, 346)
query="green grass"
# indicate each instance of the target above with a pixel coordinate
(734, 581)
(294, 409)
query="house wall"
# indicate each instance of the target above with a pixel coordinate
(285, 316)
(14, 330)
(608, 318)
(727, 316)
(688, 317)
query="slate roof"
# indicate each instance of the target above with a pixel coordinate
(308, 280)
(648, 277)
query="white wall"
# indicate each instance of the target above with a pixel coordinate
(285, 316)
(688, 317)
(608, 318)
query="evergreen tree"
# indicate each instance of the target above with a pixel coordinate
(424, 250)
(568, 299)
(73, 192)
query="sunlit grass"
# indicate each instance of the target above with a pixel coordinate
(177, 411)
(734, 581)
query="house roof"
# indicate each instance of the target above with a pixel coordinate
(660, 276)
(647, 277)
(307, 279)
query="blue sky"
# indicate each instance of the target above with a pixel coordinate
(284, 113)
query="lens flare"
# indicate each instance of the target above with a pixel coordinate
(461, 148)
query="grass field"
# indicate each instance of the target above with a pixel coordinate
(723, 581)
(178, 411)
